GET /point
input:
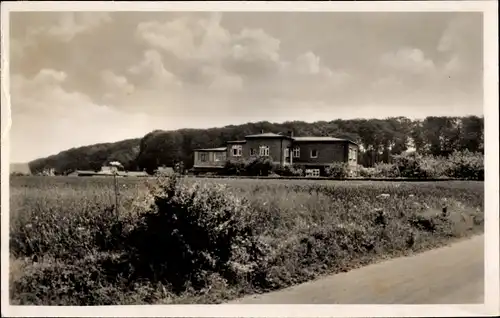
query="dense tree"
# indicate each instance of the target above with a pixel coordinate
(90, 157)
(379, 140)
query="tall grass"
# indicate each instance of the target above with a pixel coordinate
(179, 240)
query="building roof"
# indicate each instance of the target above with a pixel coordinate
(312, 138)
(267, 135)
(321, 139)
(236, 141)
(212, 149)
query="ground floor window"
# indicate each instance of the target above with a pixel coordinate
(203, 157)
(220, 156)
(264, 151)
(237, 150)
(312, 173)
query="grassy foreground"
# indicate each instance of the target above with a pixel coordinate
(190, 241)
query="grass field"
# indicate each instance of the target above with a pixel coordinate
(68, 246)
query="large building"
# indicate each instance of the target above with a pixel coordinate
(313, 153)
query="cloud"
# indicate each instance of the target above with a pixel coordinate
(411, 60)
(116, 86)
(462, 45)
(222, 81)
(152, 72)
(209, 59)
(70, 24)
(48, 118)
(212, 69)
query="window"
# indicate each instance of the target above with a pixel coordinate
(203, 157)
(314, 153)
(352, 154)
(312, 172)
(264, 151)
(296, 152)
(287, 152)
(219, 156)
(253, 152)
(237, 149)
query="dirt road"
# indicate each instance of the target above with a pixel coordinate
(449, 275)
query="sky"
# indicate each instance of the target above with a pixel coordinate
(79, 78)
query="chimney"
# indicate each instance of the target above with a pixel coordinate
(262, 131)
(290, 133)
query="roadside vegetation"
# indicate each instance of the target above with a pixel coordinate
(183, 240)
(465, 165)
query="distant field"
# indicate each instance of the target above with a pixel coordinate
(310, 228)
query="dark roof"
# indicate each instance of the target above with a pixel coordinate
(213, 149)
(312, 138)
(321, 139)
(236, 142)
(267, 135)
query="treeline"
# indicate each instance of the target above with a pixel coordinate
(380, 140)
(89, 157)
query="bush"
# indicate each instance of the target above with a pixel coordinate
(408, 165)
(259, 166)
(466, 165)
(197, 230)
(233, 167)
(185, 241)
(289, 171)
(339, 170)
(385, 170)
(366, 172)
(460, 165)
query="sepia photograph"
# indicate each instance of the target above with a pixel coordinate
(216, 156)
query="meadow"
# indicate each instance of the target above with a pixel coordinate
(187, 240)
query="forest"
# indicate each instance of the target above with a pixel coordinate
(379, 140)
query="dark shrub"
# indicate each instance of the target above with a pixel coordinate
(338, 170)
(259, 166)
(191, 232)
(233, 167)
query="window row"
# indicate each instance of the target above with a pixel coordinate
(237, 151)
(217, 157)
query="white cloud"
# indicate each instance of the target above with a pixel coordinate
(409, 60)
(248, 60)
(70, 24)
(180, 36)
(48, 118)
(255, 45)
(221, 81)
(456, 43)
(308, 63)
(152, 72)
(116, 86)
